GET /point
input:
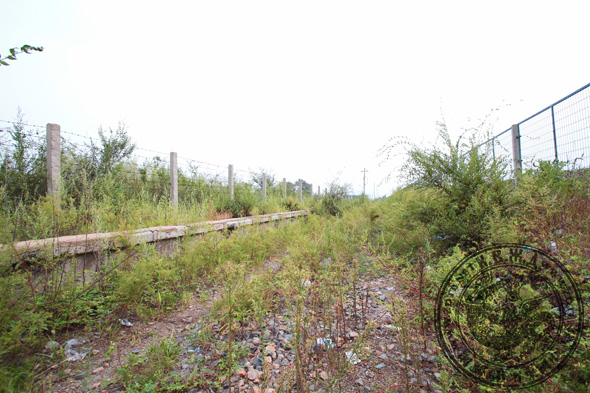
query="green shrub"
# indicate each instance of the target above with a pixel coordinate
(333, 202)
(243, 203)
(403, 223)
(23, 166)
(290, 204)
(466, 186)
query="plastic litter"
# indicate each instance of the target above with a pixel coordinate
(352, 357)
(72, 356)
(125, 322)
(324, 343)
(74, 342)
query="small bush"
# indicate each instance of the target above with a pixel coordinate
(465, 187)
(290, 204)
(332, 204)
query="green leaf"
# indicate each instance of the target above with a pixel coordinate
(4, 63)
(13, 51)
(11, 57)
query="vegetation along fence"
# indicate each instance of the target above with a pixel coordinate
(53, 193)
(559, 132)
(54, 149)
(38, 162)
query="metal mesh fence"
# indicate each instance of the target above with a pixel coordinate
(500, 146)
(536, 139)
(572, 119)
(559, 132)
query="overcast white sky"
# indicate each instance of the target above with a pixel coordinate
(303, 89)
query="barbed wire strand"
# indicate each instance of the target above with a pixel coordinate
(94, 139)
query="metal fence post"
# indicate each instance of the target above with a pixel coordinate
(174, 178)
(230, 181)
(53, 159)
(554, 133)
(516, 152)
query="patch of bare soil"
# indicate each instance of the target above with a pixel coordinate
(368, 350)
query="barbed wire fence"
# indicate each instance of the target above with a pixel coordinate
(185, 174)
(560, 133)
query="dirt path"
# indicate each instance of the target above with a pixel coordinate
(367, 353)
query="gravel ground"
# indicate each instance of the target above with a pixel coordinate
(364, 353)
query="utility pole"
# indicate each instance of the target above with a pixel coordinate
(364, 179)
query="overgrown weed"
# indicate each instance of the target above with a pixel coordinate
(455, 210)
(150, 372)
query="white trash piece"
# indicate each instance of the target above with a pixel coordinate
(352, 357)
(125, 322)
(324, 343)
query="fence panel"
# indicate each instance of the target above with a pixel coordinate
(536, 139)
(559, 132)
(501, 146)
(572, 122)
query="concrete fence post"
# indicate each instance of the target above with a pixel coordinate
(516, 152)
(300, 191)
(264, 187)
(319, 192)
(284, 188)
(311, 190)
(230, 181)
(174, 178)
(53, 159)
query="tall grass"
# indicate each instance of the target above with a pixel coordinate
(103, 189)
(141, 282)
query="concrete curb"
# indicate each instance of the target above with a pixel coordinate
(95, 242)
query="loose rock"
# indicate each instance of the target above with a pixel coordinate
(253, 374)
(97, 370)
(52, 345)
